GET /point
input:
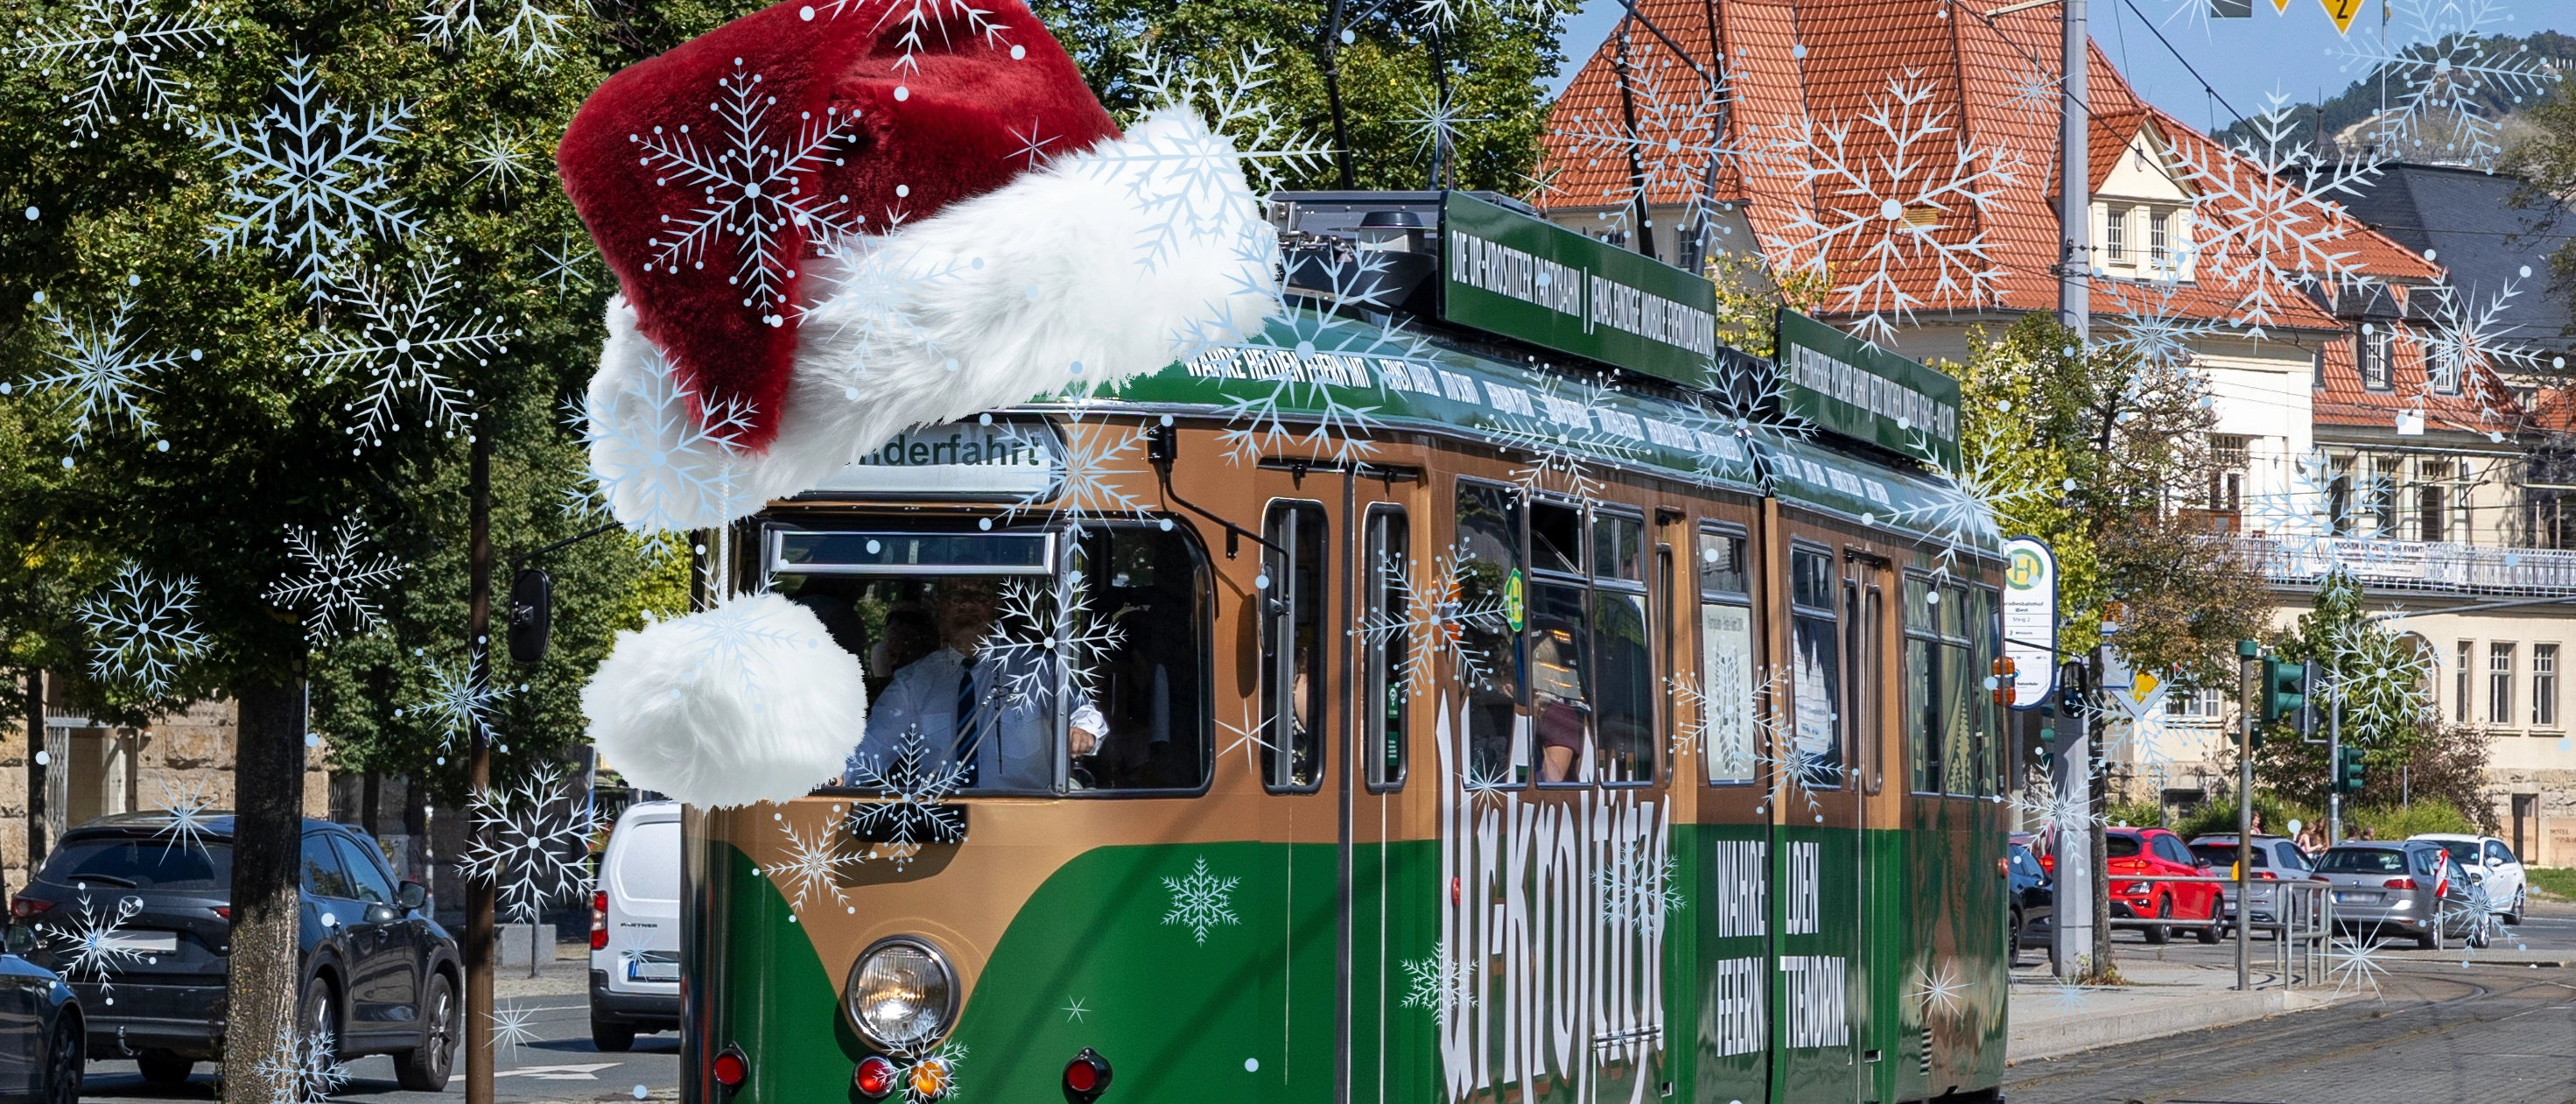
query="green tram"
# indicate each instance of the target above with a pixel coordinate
(1500, 758)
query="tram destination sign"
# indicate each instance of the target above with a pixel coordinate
(1507, 273)
(1854, 389)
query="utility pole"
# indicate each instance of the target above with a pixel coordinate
(36, 823)
(2334, 765)
(2071, 775)
(478, 768)
(2075, 183)
(2248, 664)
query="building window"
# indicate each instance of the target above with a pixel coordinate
(2383, 497)
(2544, 686)
(2460, 684)
(2340, 520)
(2432, 515)
(2159, 237)
(2228, 456)
(2500, 684)
(2372, 351)
(2199, 704)
(2116, 240)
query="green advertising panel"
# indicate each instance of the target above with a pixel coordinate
(1507, 273)
(1853, 388)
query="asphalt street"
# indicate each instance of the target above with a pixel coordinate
(2500, 1029)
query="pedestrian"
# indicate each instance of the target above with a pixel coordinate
(2258, 823)
(2364, 834)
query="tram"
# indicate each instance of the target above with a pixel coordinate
(1366, 718)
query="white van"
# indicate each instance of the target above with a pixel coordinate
(635, 928)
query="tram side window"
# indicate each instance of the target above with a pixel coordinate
(1149, 681)
(1986, 621)
(1490, 576)
(1726, 659)
(1623, 720)
(1292, 646)
(1559, 703)
(1387, 653)
(1815, 669)
(1959, 691)
(1940, 684)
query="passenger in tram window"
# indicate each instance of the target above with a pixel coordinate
(1005, 745)
(1557, 691)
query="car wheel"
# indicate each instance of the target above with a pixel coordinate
(63, 1063)
(425, 1068)
(613, 1038)
(160, 1067)
(2431, 940)
(320, 1025)
(2158, 933)
(2208, 933)
(2521, 898)
(2481, 934)
(2014, 958)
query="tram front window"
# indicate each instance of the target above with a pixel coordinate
(1022, 681)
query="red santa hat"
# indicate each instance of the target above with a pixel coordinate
(832, 223)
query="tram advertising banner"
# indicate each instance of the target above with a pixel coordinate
(1507, 273)
(1855, 389)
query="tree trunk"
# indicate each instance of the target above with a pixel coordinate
(478, 771)
(36, 824)
(268, 811)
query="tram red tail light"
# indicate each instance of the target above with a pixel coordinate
(730, 1068)
(1086, 1077)
(875, 1078)
(599, 920)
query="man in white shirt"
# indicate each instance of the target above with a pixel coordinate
(1004, 695)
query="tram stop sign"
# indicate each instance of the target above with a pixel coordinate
(2030, 619)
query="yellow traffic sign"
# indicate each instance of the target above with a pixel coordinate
(2341, 11)
(2144, 687)
(2281, 7)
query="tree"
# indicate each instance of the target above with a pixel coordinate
(2545, 161)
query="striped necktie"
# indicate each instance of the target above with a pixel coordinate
(966, 703)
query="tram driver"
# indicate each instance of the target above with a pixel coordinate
(1002, 742)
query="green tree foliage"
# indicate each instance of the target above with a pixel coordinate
(2082, 446)
(2545, 160)
(1399, 64)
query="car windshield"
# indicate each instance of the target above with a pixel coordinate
(2120, 847)
(2362, 860)
(2463, 852)
(142, 864)
(2224, 854)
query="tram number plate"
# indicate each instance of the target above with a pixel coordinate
(652, 969)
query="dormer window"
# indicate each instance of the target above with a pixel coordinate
(2373, 353)
(2115, 243)
(2165, 254)
(2159, 235)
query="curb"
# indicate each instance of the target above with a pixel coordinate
(2150, 1015)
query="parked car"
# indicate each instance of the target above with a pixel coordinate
(378, 974)
(2492, 867)
(2157, 853)
(2405, 888)
(635, 928)
(2032, 898)
(2276, 860)
(43, 1043)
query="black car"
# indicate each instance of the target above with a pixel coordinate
(135, 911)
(2032, 898)
(42, 1042)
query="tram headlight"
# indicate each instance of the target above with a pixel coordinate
(902, 994)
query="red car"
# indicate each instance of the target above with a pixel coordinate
(2154, 852)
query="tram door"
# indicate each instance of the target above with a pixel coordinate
(1391, 864)
(1820, 851)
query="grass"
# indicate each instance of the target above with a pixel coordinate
(2556, 881)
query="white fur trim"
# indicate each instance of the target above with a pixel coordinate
(1122, 259)
(749, 701)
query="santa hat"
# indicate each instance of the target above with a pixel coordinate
(831, 224)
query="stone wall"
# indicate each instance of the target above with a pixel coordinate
(2551, 835)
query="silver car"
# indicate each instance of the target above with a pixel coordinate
(2393, 890)
(2276, 859)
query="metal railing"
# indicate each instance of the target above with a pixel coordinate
(2301, 922)
(2424, 566)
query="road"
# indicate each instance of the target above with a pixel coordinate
(557, 1064)
(2496, 1031)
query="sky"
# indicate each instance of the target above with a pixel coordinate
(2244, 61)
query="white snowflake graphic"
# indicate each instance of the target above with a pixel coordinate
(1940, 992)
(2355, 962)
(813, 866)
(304, 1069)
(103, 369)
(1249, 736)
(1047, 635)
(93, 945)
(912, 810)
(2266, 225)
(929, 1077)
(334, 579)
(1435, 125)
(188, 816)
(2468, 345)
(915, 18)
(2446, 74)
(1636, 889)
(1090, 468)
(1673, 147)
(1566, 441)
(564, 265)
(2150, 325)
(309, 177)
(1305, 366)
(1435, 619)
(461, 700)
(662, 464)
(1971, 494)
(530, 843)
(870, 285)
(1443, 983)
(513, 1026)
(1744, 421)
(527, 33)
(401, 349)
(1193, 175)
(142, 627)
(121, 45)
(499, 157)
(2044, 811)
(1201, 901)
(2069, 996)
(1906, 199)
(750, 186)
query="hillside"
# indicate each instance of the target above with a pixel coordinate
(2457, 116)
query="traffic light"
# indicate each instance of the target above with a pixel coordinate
(2349, 772)
(2285, 694)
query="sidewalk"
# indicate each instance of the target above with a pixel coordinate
(2162, 998)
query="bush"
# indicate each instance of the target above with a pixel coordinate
(2138, 814)
(2415, 819)
(2217, 816)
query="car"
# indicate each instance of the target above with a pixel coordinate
(2492, 868)
(46, 1040)
(2409, 888)
(2132, 854)
(635, 928)
(2276, 859)
(2032, 897)
(136, 911)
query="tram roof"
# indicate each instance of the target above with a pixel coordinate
(1312, 367)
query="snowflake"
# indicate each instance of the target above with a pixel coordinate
(1043, 637)
(529, 33)
(1436, 619)
(812, 866)
(563, 265)
(2069, 995)
(917, 16)
(2444, 77)
(2468, 344)
(2151, 326)
(1941, 992)
(120, 43)
(189, 816)
(102, 371)
(2033, 90)
(2288, 513)
(1445, 13)
(1724, 727)
(531, 844)
(1970, 494)
(1673, 142)
(311, 177)
(1487, 786)
(1201, 901)
(1073, 1010)
(729, 640)
(2355, 962)
(2479, 920)
(914, 811)
(1087, 473)
(866, 283)
(2266, 225)
(1744, 421)
(1637, 890)
(1248, 736)
(461, 701)
(1193, 176)
(402, 346)
(499, 157)
(144, 627)
(1564, 439)
(1436, 122)
(335, 579)
(929, 1077)
(2044, 811)
(1805, 768)
(1898, 195)
(661, 463)
(94, 944)
(752, 185)
(303, 1069)
(1443, 983)
(1308, 360)
(512, 1026)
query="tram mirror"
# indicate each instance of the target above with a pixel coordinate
(531, 615)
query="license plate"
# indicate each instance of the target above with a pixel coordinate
(2356, 898)
(640, 969)
(142, 942)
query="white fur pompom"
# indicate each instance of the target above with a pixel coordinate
(750, 701)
